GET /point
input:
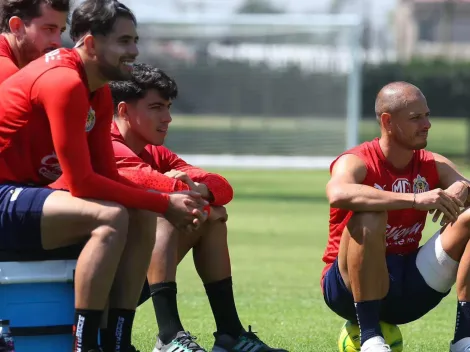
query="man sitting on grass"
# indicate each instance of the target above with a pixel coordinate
(380, 193)
(142, 116)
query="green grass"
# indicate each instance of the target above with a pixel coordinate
(293, 136)
(277, 232)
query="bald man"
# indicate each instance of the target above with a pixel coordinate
(380, 193)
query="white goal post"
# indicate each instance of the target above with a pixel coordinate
(326, 47)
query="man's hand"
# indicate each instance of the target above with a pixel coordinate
(179, 175)
(195, 186)
(218, 214)
(459, 189)
(185, 210)
(439, 202)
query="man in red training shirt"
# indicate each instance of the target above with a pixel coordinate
(142, 117)
(380, 193)
(30, 28)
(55, 121)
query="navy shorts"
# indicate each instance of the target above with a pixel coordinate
(20, 216)
(408, 299)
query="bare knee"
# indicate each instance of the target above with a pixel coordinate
(216, 227)
(368, 226)
(464, 219)
(113, 222)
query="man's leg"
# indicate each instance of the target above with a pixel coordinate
(170, 248)
(64, 220)
(444, 260)
(212, 262)
(363, 268)
(129, 280)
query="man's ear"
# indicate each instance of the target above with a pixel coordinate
(122, 109)
(386, 121)
(16, 25)
(89, 42)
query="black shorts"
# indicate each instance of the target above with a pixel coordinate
(409, 297)
(20, 216)
(20, 225)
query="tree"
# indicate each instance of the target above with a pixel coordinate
(259, 6)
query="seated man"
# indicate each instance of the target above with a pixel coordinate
(55, 120)
(142, 116)
(380, 193)
(29, 29)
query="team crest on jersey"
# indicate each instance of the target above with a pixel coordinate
(90, 120)
(420, 185)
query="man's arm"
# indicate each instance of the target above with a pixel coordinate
(218, 186)
(136, 170)
(345, 191)
(451, 179)
(447, 171)
(99, 138)
(65, 102)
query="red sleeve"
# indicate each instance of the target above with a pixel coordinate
(136, 170)
(99, 138)
(65, 101)
(220, 188)
(8, 68)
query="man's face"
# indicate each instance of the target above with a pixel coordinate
(150, 117)
(117, 51)
(410, 126)
(42, 34)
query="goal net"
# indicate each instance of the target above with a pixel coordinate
(259, 90)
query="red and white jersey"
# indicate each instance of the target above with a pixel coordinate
(405, 226)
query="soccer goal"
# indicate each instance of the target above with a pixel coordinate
(266, 91)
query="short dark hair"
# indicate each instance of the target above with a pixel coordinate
(97, 17)
(27, 10)
(144, 78)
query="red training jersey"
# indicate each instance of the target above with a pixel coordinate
(405, 226)
(147, 169)
(52, 126)
(8, 63)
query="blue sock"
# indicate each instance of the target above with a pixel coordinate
(462, 321)
(368, 318)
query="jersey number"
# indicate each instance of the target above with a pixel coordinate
(52, 55)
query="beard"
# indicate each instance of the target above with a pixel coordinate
(111, 72)
(29, 51)
(410, 143)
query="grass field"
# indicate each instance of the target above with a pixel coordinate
(278, 223)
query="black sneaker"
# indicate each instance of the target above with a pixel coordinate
(246, 342)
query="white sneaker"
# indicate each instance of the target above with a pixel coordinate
(462, 345)
(375, 344)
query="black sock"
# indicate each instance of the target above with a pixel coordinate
(220, 294)
(166, 310)
(117, 336)
(462, 322)
(85, 329)
(368, 317)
